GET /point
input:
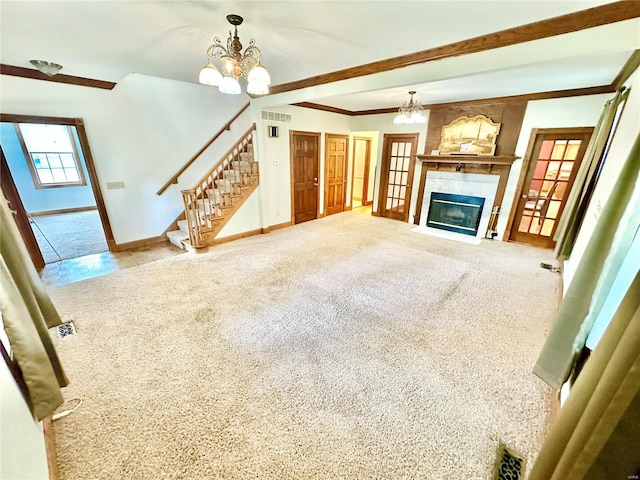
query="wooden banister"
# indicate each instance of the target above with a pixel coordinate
(215, 195)
(227, 126)
(226, 156)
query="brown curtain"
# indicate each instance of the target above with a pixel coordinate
(579, 196)
(597, 433)
(27, 313)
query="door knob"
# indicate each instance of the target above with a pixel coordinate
(315, 184)
(524, 196)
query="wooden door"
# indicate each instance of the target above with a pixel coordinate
(305, 159)
(22, 220)
(549, 169)
(335, 173)
(398, 161)
(360, 172)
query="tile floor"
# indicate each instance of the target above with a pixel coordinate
(89, 266)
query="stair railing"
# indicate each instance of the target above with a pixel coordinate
(227, 126)
(202, 205)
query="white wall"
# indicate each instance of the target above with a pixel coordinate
(553, 113)
(626, 133)
(383, 123)
(275, 164)
(140, 132)
(42, 199)
(22, 453)
(275, 160)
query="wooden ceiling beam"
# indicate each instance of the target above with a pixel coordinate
(572, 22)
(59, 78)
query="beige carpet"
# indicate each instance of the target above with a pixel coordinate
(69, 235)
(347, 347)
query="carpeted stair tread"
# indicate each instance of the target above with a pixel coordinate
(177, 236)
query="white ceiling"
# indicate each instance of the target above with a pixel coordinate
(109, 39)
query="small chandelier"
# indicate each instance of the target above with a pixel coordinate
(48, 68)
(235, 65)
(410, 112)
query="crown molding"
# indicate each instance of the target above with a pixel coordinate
(573, 92)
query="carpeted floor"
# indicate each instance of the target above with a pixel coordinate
(347, 347)
(69, 235)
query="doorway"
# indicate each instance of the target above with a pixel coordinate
(49, 170)
(304, 150)
(548, 172)
(396, 179)
(335, 173)
(361, 186)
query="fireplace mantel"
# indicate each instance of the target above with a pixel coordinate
(462, 159)
(499, 165)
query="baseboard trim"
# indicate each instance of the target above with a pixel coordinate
(145, 242)
(237, 236)
(251, 233)
(50, 447)
(277, 226)
(63, 210)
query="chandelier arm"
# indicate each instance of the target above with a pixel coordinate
(216, 50)
(250, 58)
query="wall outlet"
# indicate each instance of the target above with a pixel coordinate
(114, 185)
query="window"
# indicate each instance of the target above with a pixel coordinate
(51, 155)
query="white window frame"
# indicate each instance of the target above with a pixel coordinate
(33, 167)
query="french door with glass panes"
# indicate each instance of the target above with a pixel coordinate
(551, 166)
(398, 161)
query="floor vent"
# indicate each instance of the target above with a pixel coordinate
(509, 464)
(66, 329)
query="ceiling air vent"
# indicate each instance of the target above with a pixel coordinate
(276, 116)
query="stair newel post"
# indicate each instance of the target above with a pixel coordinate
(192, 214)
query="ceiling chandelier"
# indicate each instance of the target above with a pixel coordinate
(410, 112)
(235, 64)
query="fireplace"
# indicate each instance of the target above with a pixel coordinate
(455, 213)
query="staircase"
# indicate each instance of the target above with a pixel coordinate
(217, 196)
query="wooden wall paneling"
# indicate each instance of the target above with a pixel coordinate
(510, 116)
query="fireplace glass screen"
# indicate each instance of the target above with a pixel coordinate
(455, 213)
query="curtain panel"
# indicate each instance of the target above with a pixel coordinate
(27, 313)
(594, 276)
(579, 196)
(597, 434)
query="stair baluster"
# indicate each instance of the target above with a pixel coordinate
(214, 199)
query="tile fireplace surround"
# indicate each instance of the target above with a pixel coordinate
(456, 183)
